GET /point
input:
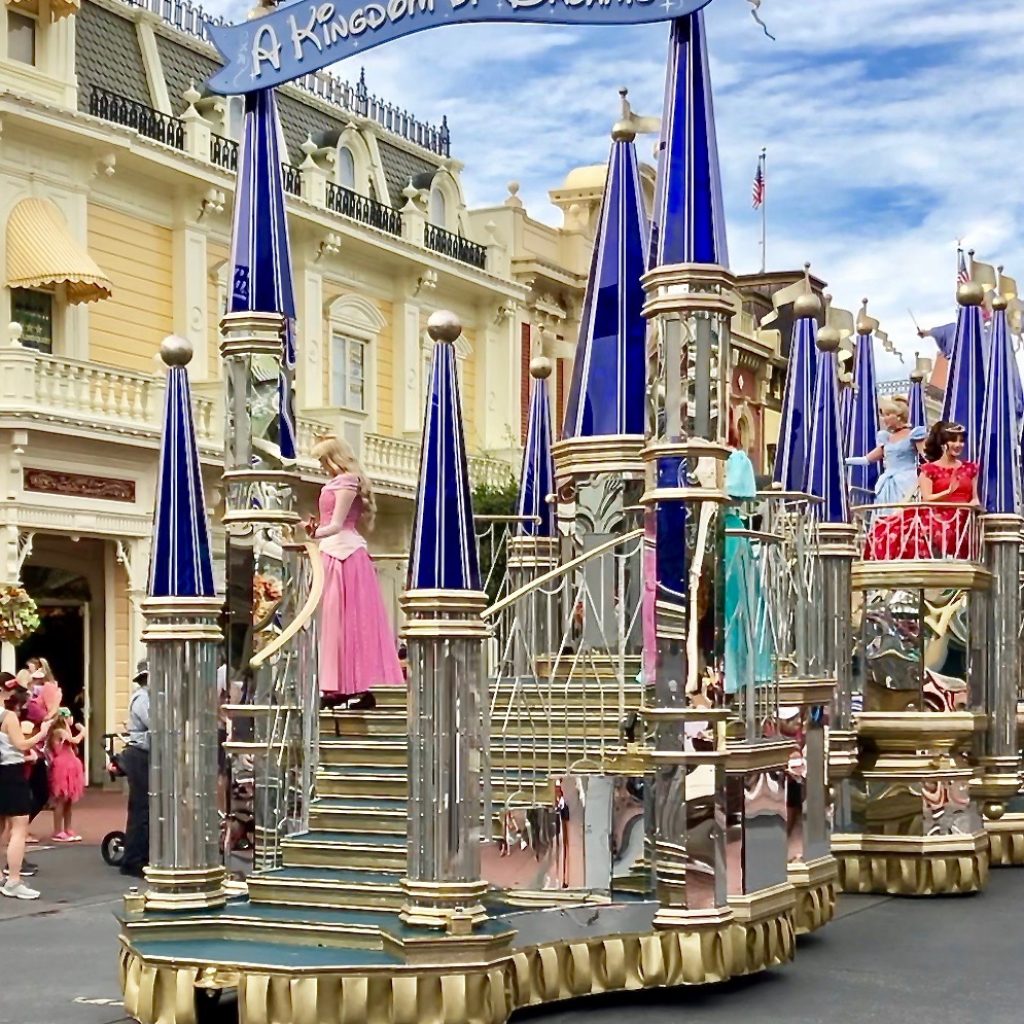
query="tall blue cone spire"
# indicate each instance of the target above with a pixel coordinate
(1000, 479)
(537, 483)
(917, 415)
(863, 436)
(965, 385)
(795, 432)
(261, 269)
(609, 375)
(826, 470)
(444, 555)
(181, 564)
(689, 215)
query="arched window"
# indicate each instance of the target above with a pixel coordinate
(346, 168)
(438, 208)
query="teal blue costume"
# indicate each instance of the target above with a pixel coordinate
(748, 648)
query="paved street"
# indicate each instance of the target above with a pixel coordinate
(911, 961)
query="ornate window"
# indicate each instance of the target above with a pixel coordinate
(346, 168)
(438, 208)
(348, 372)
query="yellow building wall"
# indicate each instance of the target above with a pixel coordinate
(384, 355)
(216, 255)
(126, 330)
(468, 388)
(122, 648)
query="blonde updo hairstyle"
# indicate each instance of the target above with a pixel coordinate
(899, 405)
(337, 457)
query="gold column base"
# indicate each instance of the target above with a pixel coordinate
(185, 889)
(162, 990)
(764, 931)
(842, 754)
(912, 865)
(816, 884)
(456, 907)
(1006, 841)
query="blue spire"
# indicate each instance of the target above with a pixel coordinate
(444, 555)
(965, 385)
(607, 394)
(689, 215)
(538, 479)
(181, 564)
(863, 427)
(845, 415)
(917, 415)
(795, 431)
(826, 470)
(261, 269)
(1000, 478)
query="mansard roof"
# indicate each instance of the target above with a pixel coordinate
(108, 56)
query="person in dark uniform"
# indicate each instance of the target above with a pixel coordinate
(135, 762)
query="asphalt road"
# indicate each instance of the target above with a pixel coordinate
(926, 961)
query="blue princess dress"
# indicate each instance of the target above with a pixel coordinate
(899, 468)
(748, 648)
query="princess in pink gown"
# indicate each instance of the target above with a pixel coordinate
(357, 645)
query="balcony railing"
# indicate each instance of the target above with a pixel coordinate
(224, 152)
(153, 124)
(74, 392)
(918, 532)
(455, 246)
(363, 209)
(291, 178)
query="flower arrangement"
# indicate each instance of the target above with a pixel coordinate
(19, 617)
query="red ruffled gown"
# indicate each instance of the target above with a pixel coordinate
(928, 530)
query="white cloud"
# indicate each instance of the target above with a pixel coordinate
(891, 127)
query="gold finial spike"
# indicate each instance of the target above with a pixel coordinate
(624, 130)
(828, 337)
(866, 324)
(808, 305)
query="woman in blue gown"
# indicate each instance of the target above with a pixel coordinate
(748, 647)
(897, 448)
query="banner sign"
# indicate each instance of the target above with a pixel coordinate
(300, 38)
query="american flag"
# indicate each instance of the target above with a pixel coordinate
(757, 194)
(962, 276)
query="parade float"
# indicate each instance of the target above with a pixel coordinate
(692, 711)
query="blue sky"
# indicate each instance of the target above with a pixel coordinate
(893, 127)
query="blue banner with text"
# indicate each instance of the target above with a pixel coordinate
(300, 38)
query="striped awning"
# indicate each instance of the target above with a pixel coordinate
(42, 254)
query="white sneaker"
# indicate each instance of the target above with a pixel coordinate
(18, 891)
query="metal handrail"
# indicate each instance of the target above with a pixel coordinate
(306, 612)
(562, 570)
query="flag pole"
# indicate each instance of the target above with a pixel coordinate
(764, 211)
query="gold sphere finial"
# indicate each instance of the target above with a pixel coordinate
(1000, 302)
(808, 305)
(865, 324)
(970, 293)
(176, 351)
(443, 325)
(540, 367)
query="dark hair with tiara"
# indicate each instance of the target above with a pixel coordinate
(939, 436)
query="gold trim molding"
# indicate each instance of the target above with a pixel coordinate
(1006, 841)
(816, 884)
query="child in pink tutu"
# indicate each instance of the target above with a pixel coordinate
(357, 644)
(67, 775)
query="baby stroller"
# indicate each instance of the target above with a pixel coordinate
(112, 847)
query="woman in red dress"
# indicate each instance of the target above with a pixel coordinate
(927, 530)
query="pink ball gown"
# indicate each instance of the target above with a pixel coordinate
(357, 645)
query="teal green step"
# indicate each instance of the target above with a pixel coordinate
(336, 887)
(344, 849)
